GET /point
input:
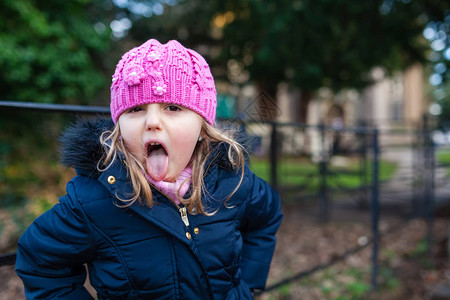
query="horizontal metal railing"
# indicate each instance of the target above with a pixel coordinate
(47, 107)
(8, 259)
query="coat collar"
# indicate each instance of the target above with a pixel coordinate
(164, 214)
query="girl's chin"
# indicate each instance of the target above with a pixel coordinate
(170, 177)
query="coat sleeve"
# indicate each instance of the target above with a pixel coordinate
(52, 251)
(260, 223)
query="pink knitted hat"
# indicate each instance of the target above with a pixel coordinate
(163, 73)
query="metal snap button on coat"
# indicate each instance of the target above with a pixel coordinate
(196, 230)
(111, 179)
(188, 235)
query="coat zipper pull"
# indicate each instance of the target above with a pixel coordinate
(184, 216)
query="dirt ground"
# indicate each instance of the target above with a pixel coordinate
(405, 269)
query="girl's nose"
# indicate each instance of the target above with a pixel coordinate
(153, 118)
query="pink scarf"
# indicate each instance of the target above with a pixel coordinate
(171, 188)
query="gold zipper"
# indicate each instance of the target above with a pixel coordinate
(184, 216)
(182, 210)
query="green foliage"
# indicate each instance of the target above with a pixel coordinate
(28, 155)
(285, 290)
(422, 254)
(50, 51)
(30, 178)
(316, 43)
(357, 289)
(389, 280)
(420, 250)
(350, 285)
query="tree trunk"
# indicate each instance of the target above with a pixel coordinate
(305, 98)
(266, 103)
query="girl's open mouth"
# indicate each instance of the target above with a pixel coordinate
(157, 161)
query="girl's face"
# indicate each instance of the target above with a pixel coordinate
(162, 136)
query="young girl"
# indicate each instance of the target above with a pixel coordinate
(164, 206)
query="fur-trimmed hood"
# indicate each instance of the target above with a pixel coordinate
(80, 145)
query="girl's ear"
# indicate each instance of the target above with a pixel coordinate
(203, 131)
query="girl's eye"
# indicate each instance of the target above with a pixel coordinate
(135, 109)
(173, 108)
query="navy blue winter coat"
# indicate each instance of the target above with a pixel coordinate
(148, 253)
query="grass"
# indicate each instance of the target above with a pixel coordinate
(443, 156)
(305, 174)
(443, 159)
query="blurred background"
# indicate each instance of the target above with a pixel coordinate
(344, 106)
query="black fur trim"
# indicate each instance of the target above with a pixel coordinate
(80, 144)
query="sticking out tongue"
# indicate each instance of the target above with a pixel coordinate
(157, 164)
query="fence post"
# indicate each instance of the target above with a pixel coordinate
(375, 208)
(273, 156)
(323, 197)
(429, 186)
(363, 164)
(418, 171)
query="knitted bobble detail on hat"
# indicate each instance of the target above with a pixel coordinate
(163, 73)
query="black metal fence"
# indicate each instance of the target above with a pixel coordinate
(333, 155)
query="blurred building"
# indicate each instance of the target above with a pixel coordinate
(395, 103)
(392, 102)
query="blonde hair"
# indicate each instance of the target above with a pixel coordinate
(113, 144)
